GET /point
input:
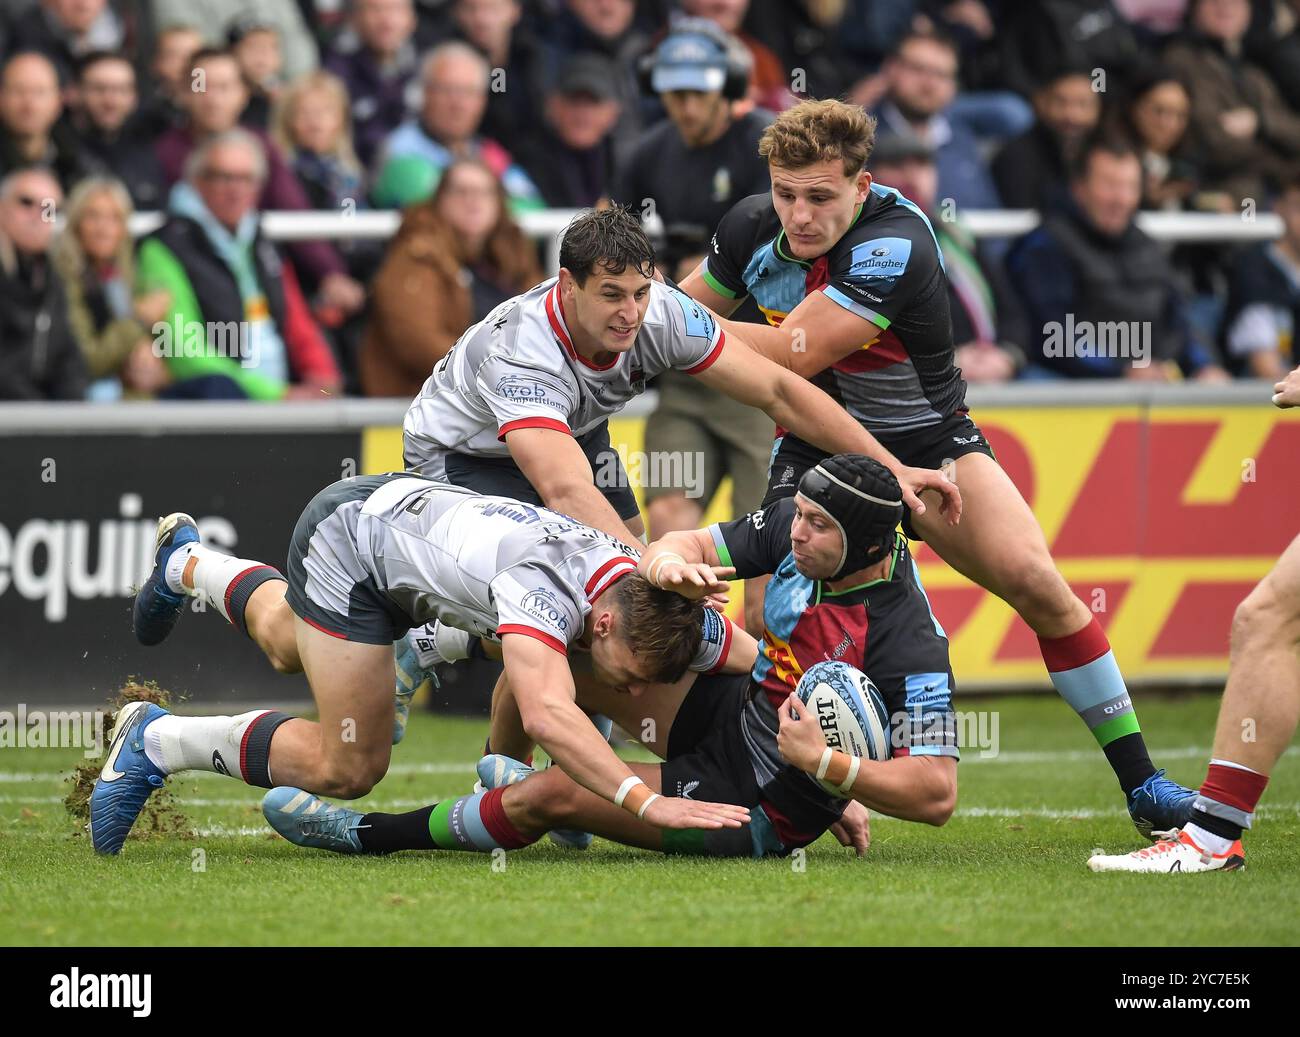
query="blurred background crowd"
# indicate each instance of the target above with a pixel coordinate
(470, 115)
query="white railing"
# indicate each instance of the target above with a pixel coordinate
(547, 225)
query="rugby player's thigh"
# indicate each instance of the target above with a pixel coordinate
(352, 683)
(998, 539)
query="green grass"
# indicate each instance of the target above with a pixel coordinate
(1008, 869)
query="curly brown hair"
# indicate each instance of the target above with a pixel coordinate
(818, 131)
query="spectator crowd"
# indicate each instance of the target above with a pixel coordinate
(470, 114)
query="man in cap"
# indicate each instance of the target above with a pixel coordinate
(689, 170)
(572, 161)
(844, 588)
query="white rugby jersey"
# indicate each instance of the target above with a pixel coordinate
(517, 368)
(494, 566)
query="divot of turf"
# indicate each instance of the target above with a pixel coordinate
(160, 816)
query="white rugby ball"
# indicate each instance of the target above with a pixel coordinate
(849, 709)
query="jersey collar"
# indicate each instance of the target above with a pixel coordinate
(555, 315)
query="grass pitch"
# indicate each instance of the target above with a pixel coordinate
(1008, 869)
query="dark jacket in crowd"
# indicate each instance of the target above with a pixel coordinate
(64, 156)
(566, 177)
(128, 155)
(1070, 275)
(1030, 170)
(378, 95)
(1243, 167)
(39, 358)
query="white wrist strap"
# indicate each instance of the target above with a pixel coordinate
(854, 766)
(826, 762)
(628, 785)
(646, 805)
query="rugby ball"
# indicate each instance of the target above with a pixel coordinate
(849, 709)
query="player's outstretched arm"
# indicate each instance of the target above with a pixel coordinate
(560, 472)
(798, 405)
(544, 691)
(914, 788)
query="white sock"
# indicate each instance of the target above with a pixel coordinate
(1236, 766)
(1208, 841)
(211, 744)
(176, 569)
(213, 574)
(436, 642)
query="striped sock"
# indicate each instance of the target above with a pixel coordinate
(1228, 797)
(238, 746)
(475, 822)
(1085, 674)
(227, 583)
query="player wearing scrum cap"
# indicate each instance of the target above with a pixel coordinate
(850, 278)
(370, 558)
(844, 587)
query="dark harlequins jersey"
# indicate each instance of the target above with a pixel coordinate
(887, 269)
(884, 628)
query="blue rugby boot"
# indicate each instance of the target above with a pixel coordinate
(411, 674)
(1160, 805)
(127, 779)
(306, 820)
(496, 771)
(157, 606)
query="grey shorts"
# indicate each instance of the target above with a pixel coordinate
(328, 587)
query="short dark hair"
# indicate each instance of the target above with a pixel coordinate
(205, 54)
(94, 57)
(1104, 144)
(610, 238)
(930, 35)
(662, 628)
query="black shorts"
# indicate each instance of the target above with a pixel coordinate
(501, 477)
(708, 760)
(929, 447)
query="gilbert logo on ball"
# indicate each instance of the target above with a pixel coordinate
(849, 709)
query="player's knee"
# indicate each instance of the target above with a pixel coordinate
(1034, 587)
(352, 778)
(1264, 618)
(549, 799)
(281, 662)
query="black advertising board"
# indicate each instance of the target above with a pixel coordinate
(77, 518)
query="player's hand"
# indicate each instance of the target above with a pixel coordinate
(668, 812)
(800, 737)
(914, 480)
(1286, 393)
(695, 580)
(854, 827)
